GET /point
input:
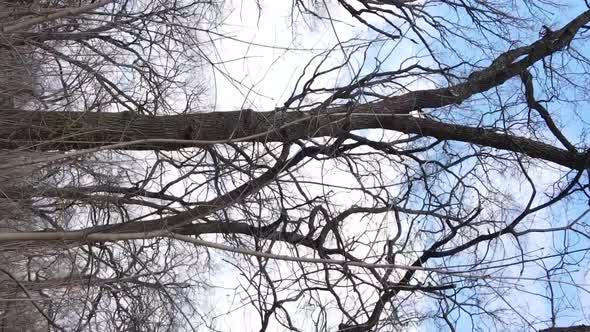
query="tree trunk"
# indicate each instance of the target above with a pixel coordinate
(79, 130)
(579, 328)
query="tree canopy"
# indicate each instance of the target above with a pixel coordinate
(378, 165)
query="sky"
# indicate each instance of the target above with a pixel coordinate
(264, 60)
(270, 51)
(267, 70)
(258, 68)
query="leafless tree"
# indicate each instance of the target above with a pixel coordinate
(444, 189)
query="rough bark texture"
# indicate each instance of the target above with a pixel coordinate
(76, 130)
(70, 130)
(579, 328)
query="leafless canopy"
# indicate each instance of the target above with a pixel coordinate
(428, 171)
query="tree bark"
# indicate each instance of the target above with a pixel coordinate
(71, 130)
(127, 130)
(578, 328)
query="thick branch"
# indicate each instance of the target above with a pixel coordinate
(76, 130)
(85, 130)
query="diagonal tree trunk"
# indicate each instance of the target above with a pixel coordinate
(126, 130)
(70, 130)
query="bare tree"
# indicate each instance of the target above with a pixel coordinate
(445, 189)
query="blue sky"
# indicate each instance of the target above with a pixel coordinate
(268, 75)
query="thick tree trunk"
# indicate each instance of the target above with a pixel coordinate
(78, 130)
(72, 130)
(579, 328)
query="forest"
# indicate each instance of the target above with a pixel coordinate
(303, 165)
